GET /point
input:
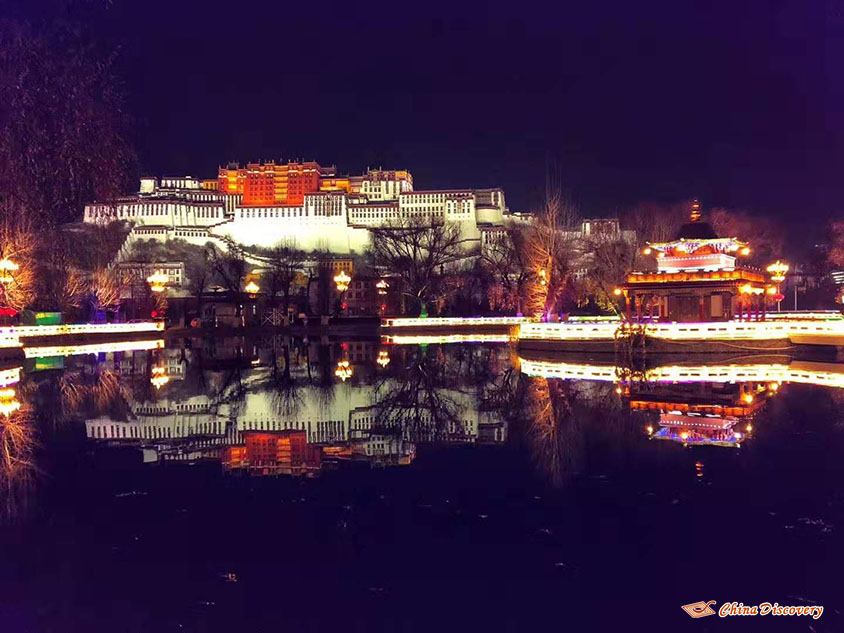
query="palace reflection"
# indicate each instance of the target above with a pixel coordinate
(281, 406)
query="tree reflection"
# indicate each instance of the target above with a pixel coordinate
(418, 396)
(17, 460)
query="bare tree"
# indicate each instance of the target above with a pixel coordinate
(285, 263)
(229, 268)
(506, 260)
(18, 248)
(422, 253)
(62, 126)
(550, 253)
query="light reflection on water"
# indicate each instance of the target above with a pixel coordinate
(283, 406)
(651, 460)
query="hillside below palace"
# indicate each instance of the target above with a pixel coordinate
(306, 204)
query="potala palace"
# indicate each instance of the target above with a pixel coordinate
(264, 204)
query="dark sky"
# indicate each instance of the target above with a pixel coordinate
(738, 103)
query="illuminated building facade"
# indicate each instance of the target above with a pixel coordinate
(264, 204)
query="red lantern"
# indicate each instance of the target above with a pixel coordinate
(779, 297)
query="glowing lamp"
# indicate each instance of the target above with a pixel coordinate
(684, 436)
(745, 251)
(383, 358)
(342, 281)
(382, 286)
(618, 390)
(650, 429)
(252, 288)
(772, 290)
(647, 250)
(8, 402)
(157, 282)
(617, 292)
(778, 270)
(344, 370)
(748, 398)
(8, 264)
(748, 428)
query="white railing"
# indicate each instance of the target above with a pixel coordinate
(714, 331)
(568, 331)
(823, 374)
(423, 339)
(29, 331)
(92, 348)
(9, 338)
(453, 321)
(10, 376)
(711, 331)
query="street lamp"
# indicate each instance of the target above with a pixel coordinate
(7, 267)
(382, 286)
(383, 358)
(344, 370)
(8, 402)
(157, 282)
(342, 280)
(778, 270)
(159, 377)
(252, 288)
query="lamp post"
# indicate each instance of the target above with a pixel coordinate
(342, 281)
(7, 267)
(778, 270)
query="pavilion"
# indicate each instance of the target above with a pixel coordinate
(697, 279)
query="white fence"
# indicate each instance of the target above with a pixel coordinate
(714, 331)
(825, 374)
(453, 321)
(10, 337)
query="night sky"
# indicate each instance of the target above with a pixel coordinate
(738, 103)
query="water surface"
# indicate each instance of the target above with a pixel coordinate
(281, 484)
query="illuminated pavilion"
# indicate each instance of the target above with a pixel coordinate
(697, 279)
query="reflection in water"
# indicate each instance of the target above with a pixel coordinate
(17, 444)
(283, 406)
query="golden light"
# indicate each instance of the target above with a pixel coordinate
(343, 371)
(252, 288)
(8, 264)
(342, 281)
(647, 250)
(778, 270)
(8, 402)
(748, 398)
(772, 290)
(159, 376)
(745, 251)
(746, 289)
(617, 292)
(157, 282)
(774, 386)
(748, 428)
(650, 429)
(661, 254)
(619, 390)
(383, 358)
(684, 436)
(382, 286)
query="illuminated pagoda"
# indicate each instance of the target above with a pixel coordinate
(697, 279)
